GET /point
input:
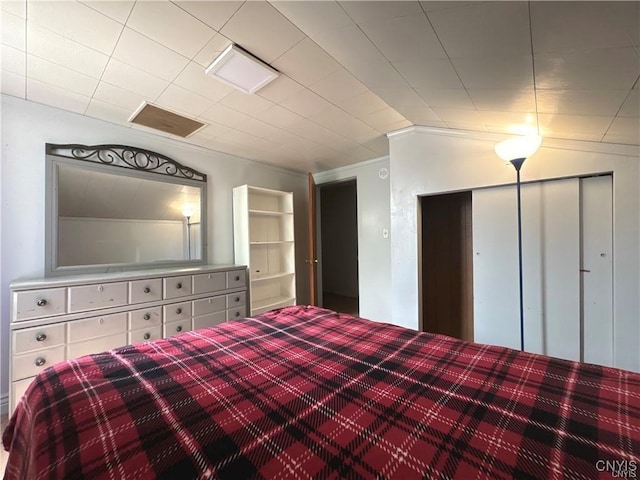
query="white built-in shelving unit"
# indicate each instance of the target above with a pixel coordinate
(264, 241)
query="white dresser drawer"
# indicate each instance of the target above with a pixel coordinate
(80, 330)
(209, 320)
(236, 299)
(208, 305)
(17, 391)
(30, 364)
(237, 313)
(209, 282)
(175, 287)
(174, 328)
(236, 278)
(177, 311)
(90, 297)
(39, 303)
(141, 291)
(96, 345)
(145, 318)
(145, 334)
(38, 338)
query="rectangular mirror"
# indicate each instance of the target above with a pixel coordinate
(114, 208)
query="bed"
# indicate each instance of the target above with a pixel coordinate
(305, 392)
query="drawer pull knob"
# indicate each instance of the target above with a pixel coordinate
(101, 288)
(41, 337)
(178, 286)
(178, 311)
(42, 302)
(237, 314)
(40, 361)
(147, 316)
(147, 290)
(179, 328)
(147, 336)
(237, 299)
(237, 278)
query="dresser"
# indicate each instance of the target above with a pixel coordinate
(55, 319)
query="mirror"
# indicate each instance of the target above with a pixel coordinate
(113, 208)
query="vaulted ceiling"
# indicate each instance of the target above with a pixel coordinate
(351, 71)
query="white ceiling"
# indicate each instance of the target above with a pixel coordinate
(350, 71)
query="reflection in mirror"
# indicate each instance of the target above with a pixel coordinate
(107, 218)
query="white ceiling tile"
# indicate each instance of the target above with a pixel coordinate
(193, 78)
(281, 88)
(379, 145)
(571, 26)
(257, 21)
(15, 7)
(183, 101)
(77, 22)
(341, 122)
(13, 60)
(385, 120)
(376, 74)
(306, 63)
(631, 140)
(245, 103)
(572, 126)
(146, 55)
(120, 97)
(267, 131)
(457, 115)
(581, 102)
(305, 103)
(429, 74)
(367, 11)
(319, 134)
(625, 127)
(170, 26)
(280, 117)
(522, 100)
(400, 97)
(631, 106)
(118, 10)
(513, 119)
(485, 29)
(510, 72)
(225, 116)
(12, 83)
(213, 13)
(360, 48)
(65, 52)
(47, 72)
(108, 112)
(362, 104)
(212, 50)
(615, 68)
(447, 98)
(474, 127)
(405, 39)
(125, 76)
(13, 33)
(338, 85)
(439, 5)
(313, 17)
(56, 97)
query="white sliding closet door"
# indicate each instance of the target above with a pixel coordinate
(555, 302)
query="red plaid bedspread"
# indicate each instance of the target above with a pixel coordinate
(308, 393)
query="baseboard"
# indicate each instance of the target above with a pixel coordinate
(4, 404)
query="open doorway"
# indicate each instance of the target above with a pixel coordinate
(338, 225)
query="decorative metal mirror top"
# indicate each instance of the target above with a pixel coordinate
(114, 207)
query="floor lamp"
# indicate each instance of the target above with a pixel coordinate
(516, 151)
(187, 212)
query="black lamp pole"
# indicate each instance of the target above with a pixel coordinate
(517, 163)
(188, 236)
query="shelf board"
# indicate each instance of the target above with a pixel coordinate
(275, 242)
(272, 302)
(269, 213)
(258, 277)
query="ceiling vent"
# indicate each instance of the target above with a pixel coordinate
(160, 119)
(238, 68)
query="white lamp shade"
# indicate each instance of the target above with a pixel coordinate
(187, 211)
(519, 147)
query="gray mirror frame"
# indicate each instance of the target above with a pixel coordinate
(121, 160)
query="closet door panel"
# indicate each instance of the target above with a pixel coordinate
(597, 266)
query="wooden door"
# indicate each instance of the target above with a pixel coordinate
(312, 259)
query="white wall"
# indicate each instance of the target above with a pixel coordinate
(374, 251)
(27, 126)
(428, 161)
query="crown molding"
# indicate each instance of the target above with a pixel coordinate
(555, 143)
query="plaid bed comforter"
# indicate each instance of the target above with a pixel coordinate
(308, 393)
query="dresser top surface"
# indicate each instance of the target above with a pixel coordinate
(63, 281)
